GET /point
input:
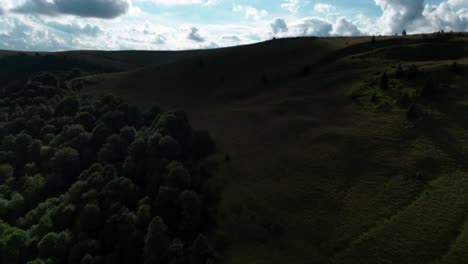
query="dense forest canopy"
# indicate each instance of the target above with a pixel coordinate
(95, 180)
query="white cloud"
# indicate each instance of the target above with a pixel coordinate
(344, 27)
(182, 2)
(444, 17)
(458, 3)
(291, 5)
(415, 17)
(250, 12)
(399, 14)
(311, 26)
(324, 8)
(138, 29)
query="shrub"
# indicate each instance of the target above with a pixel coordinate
(429, 89)
(399, 71)
(412, 113)
(454, 67)
(413, 71)
(384, 81)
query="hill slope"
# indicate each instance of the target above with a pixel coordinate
(320, 164)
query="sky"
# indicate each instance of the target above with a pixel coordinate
(54, 25)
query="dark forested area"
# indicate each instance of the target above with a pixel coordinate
(95, 180)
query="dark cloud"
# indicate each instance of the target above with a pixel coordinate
(76, 29)
(195, 35)
(278, 26)
(84, 8)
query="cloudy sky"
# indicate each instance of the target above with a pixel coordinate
(48, 25)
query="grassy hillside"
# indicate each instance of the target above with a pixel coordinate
(329, 150)
(319, 163)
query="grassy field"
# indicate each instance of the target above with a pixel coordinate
(316, 174)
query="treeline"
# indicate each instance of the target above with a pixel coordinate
(96, 180)
(20, 66)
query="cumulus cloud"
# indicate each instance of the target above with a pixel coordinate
(458, 3)
(76, 29)
(194, 35)
(25, 35)
(344, 27)
(83, 8)
(415, 17)
(149, 31)
(4, 6)
(444, 17)
(398, 15)
(312, 26)
(279, 26)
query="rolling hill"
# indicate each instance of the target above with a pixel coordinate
(310, 175)
(330, 150)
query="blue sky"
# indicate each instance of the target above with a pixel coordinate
(190, 24)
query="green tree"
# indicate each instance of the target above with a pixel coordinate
(169, 147)
(6, 171)
(49, 246)
(112, 151)
(16, 204)
(99, 135)
(191, 210)
(34, 151)
(178, 176)
(69, 106)
(13, 244)
(22, 143)
(127, 135)
(33, 189)
(85, 119)
(90, 218)
(201, 251)
(66, 163)
(156, 242)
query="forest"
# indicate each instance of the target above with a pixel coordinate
(87, 179)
